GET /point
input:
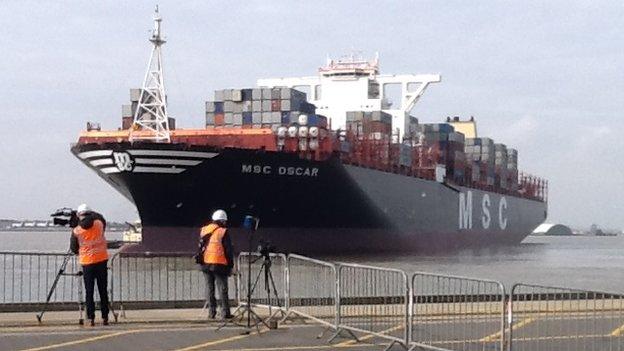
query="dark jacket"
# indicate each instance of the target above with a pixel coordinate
(229, 255)
(86, 223)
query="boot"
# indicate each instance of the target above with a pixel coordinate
(105, 321)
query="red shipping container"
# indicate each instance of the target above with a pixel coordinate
(276, 105)
(219, 119)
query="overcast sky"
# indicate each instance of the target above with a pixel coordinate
(546, 77)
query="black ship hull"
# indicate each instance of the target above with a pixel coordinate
(304, 206)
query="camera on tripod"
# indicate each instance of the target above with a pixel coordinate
(65, 216)
(265, 248)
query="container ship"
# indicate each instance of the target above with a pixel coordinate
(328, 163)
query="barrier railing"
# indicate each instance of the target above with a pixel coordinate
(268, 286)
(163, 281)
(457, 313)
(315, 296)
(26, 278)
(552, 318)
(374, 301)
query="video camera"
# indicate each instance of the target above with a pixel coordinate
(265, 248)
(65, 216)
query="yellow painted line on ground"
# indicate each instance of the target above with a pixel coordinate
(370, 336)
(295, 348)
(83, 341)
(220, 341)
(617, 331)
(516, 326)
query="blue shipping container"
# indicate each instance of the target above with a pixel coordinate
(285, 117)
(247, 118)
(218, 107)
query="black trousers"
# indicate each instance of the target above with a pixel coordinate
(96, 273)
(222, 282)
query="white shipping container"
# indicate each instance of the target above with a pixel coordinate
(228, 106)
(246, 106)
(218, 96)
(237, 107)
(238, 119)
(256, 117)
(266, 105)
(228, 118)
(210, 106)
(276, 117)
(256, 106)
(266, 93)
(256, 94)
(286, 93)
(227, 94)
(237, 95)
(266, 117)
(285, 105)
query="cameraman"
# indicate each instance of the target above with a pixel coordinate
(89, 243)
(217, 262)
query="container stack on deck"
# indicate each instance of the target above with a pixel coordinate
(258, 108)
(500, 166)
(128, 111)
(480, 152)
(447, 146)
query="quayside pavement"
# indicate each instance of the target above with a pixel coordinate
(181, 330)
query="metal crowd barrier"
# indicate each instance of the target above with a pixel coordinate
(314, 297)
(26, 278)
(141, 280)
(552, 318)
(457, 313)
(374, 301)
(268, 286)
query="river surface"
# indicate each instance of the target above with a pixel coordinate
(595, 263)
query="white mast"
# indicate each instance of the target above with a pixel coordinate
(151, 113)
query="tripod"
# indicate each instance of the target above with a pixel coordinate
(60, 273)
(247, 309)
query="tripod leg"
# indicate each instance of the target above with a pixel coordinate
(53, 287)
(80, 304)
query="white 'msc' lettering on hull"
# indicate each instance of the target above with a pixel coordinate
(466, 202)
(280, 170)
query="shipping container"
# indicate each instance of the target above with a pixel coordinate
(228, 106)
(219, 96)
(219, 107)
(237, 95)
(275, 105)
(247, 118)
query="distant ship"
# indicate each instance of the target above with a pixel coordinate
(328, 163)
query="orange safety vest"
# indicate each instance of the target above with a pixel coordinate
(92, 243)
(214, 252)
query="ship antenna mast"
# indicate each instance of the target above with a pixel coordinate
(151, 112)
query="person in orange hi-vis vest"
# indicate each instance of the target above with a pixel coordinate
(89, 243)
(217, 261)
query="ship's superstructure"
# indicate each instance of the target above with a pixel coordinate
(341, 169)
(354, 84)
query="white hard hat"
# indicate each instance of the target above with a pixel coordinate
(219, 215)
(83, 208)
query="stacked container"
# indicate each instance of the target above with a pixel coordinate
(500, 166)
(258, 108)
(128, 111)
(371, 125)
(481, 154)
(449, 145)
(512, 169)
